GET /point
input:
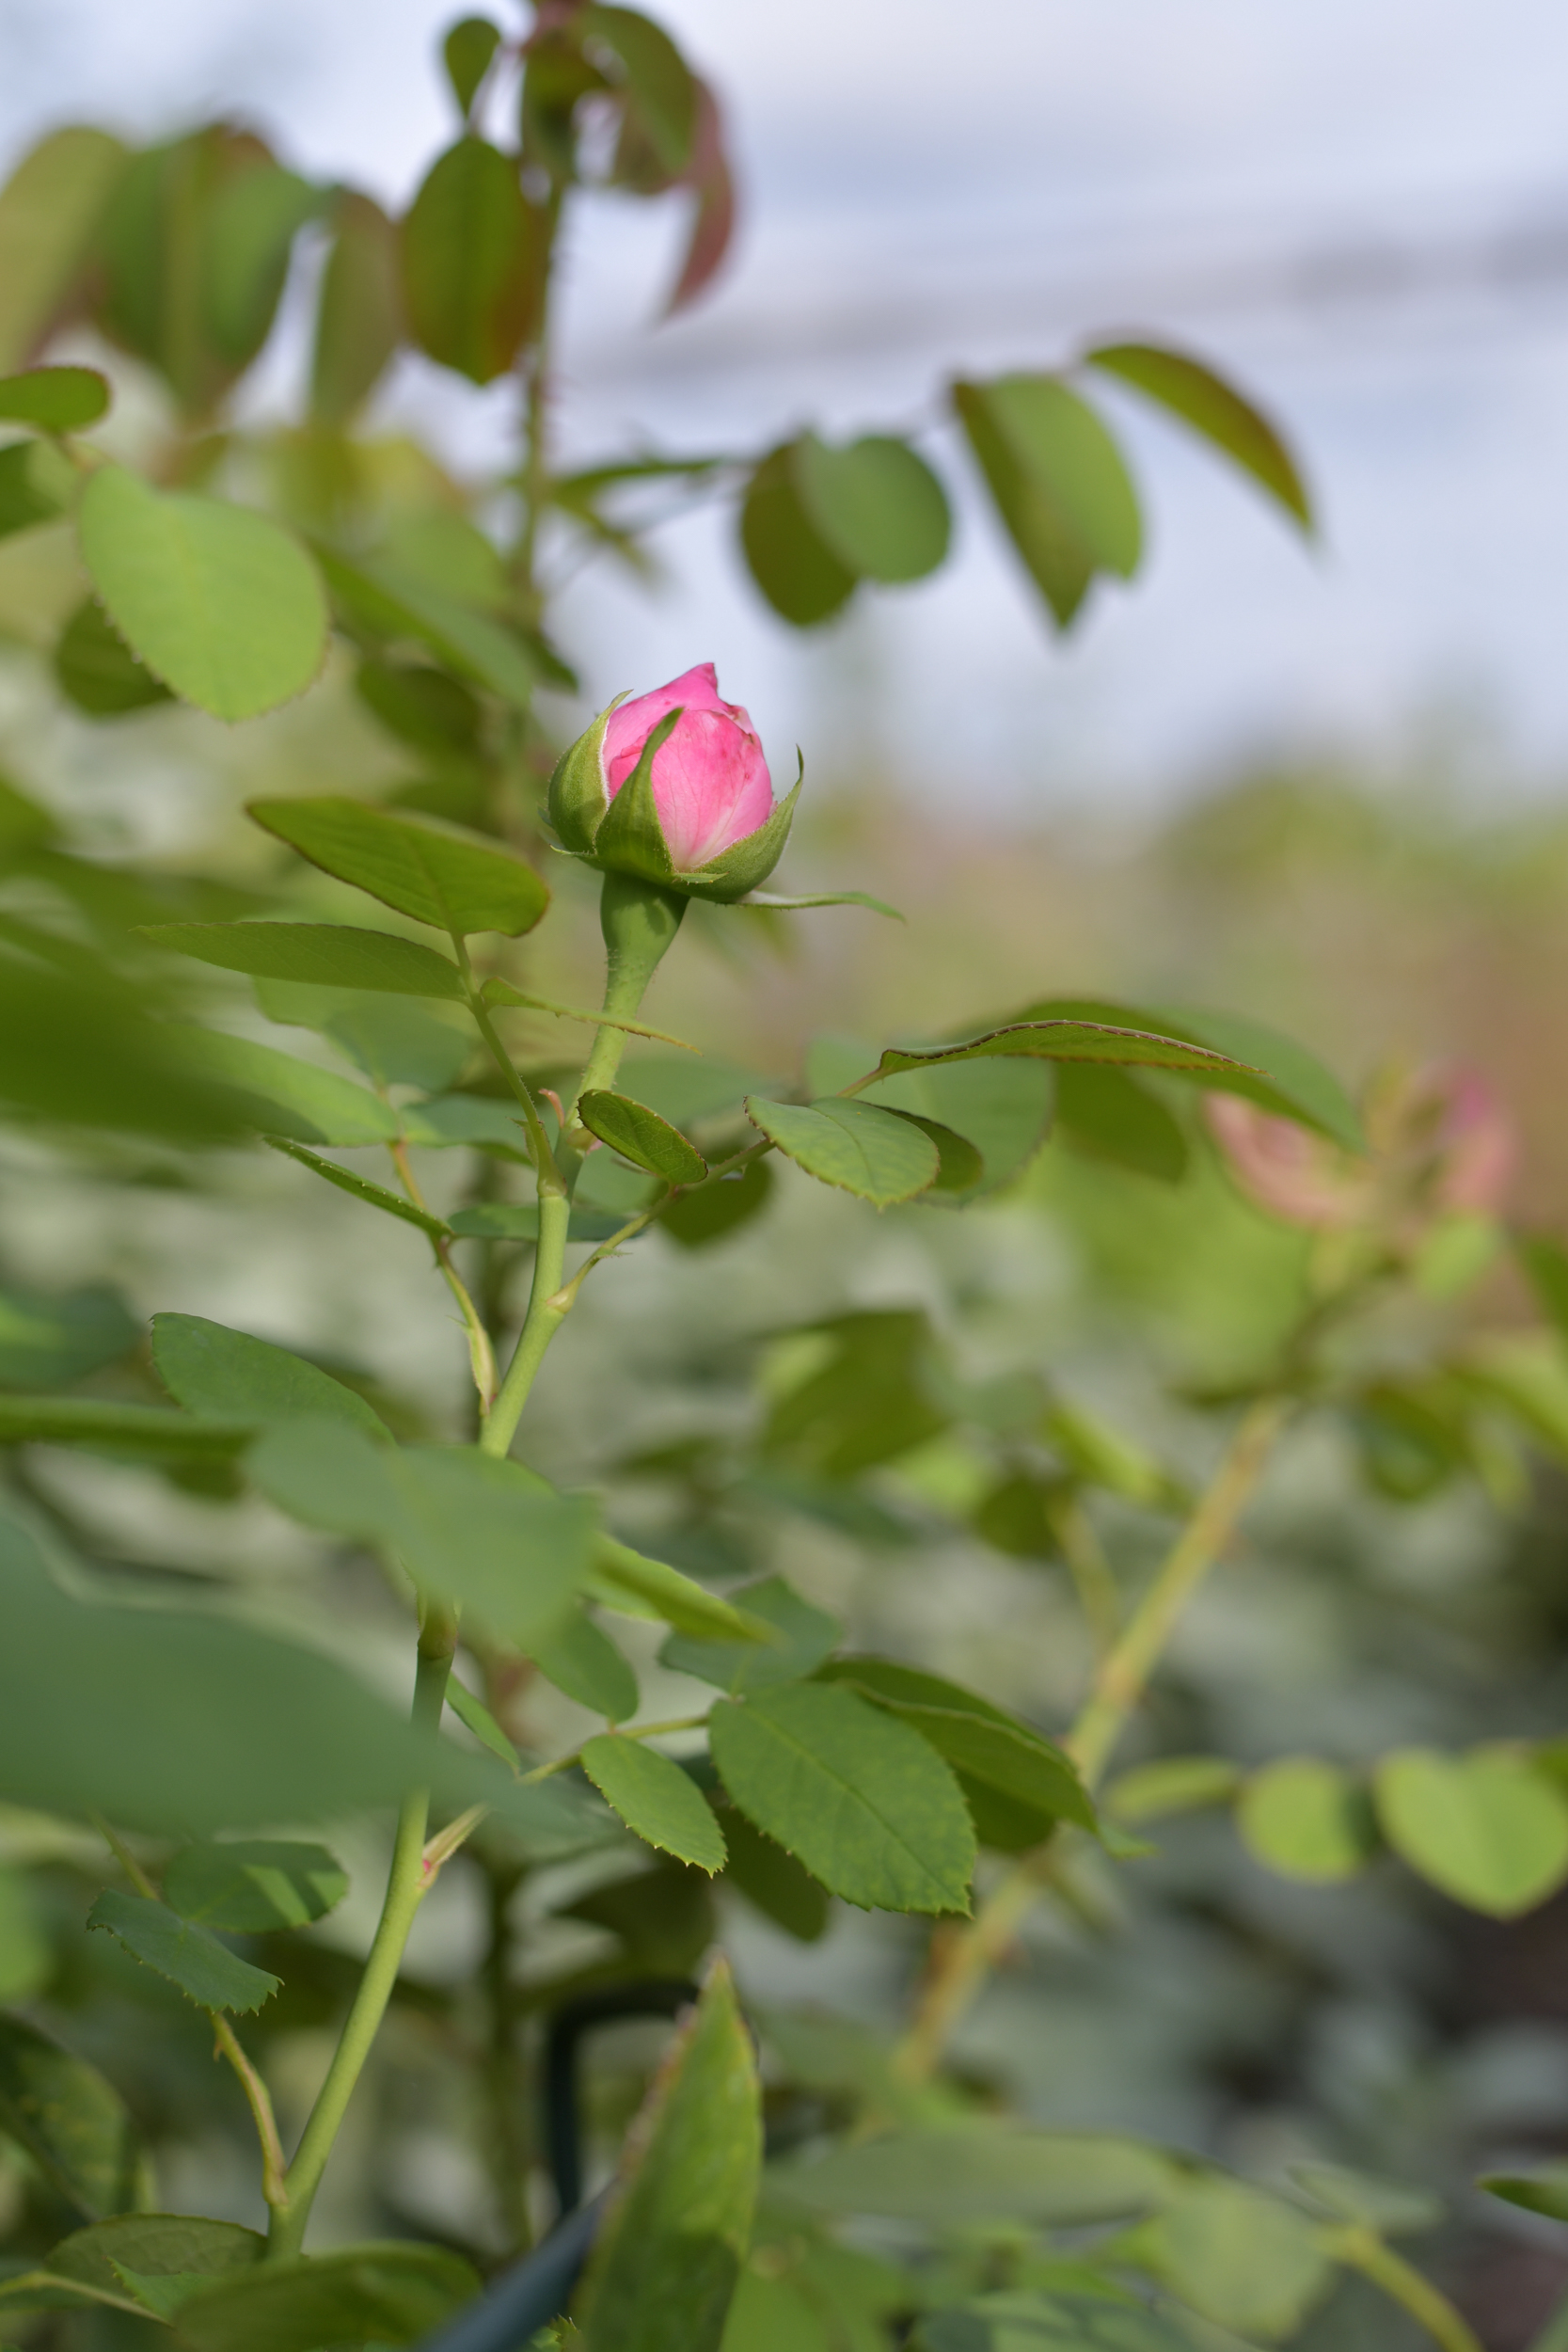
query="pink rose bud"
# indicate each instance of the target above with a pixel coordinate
(711, 785)
(674, 789)
(1287, 1170)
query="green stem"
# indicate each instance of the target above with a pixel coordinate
(1364, 2251)
(406, 1882)
(639, 921)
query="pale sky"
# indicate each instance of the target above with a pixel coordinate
(1364, 210)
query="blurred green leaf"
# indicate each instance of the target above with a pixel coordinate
(33, 486)
(395, 603)
(852, 1145)
(1003, 1108)
(518, 1220)
(96, 2264)
(49, 208)
(869, 1808)
(1243, 2260)
(1484, 1827)
(185, 1722)
(283, 1096)
(54, 1339)
(253, 1884)
(778, 1886)
(59, 400)
(135, 1430)
(1390, 2207)
(1308, 1820)
(325, 955)
(696, 1219)
(229, 1375)
(1018, 1515)
(249, 227)
(1215, 409)
(358, 309)
(456, 882)
(479, 1720)
(665, 2263)
(658, 81)
(396, 1041)
(361, 1188)
(27, 1956)
(1545, 1263)
(656, 1799)
(581, 1659)
(640, 1136)
(797, 572)
(623, 1580)
(985, 2170)
(1177, 1783)
(424, 706)
(474, 255)
(92, 1052)
(1107, 1113)
(96, 669)
(875, 504)
(1051, 1035)
(218, 601)
(1058, 480)
(466, 52)
(805, 1635)
(1545, 2191)
(188, 1956)
(73, 2123)
(381, 2293)
(869, 1401)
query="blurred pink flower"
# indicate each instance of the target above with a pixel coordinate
(710, 781)
(1440, 1145)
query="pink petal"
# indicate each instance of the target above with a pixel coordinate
(711, 786)
(631, 724)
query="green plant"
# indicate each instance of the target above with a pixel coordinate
(225, 567)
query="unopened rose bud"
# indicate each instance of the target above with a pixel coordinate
(674, 789)
(1287, 1171)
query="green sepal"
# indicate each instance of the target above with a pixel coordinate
(578, 797)
(630, 838)
(747, 864)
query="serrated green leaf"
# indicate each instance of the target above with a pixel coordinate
(875, 504)
(1308, 1820)
(1058, 1039)
(59, 400)
(254, 1884)
(981, 1742)
(391, 2293)
(1484, 1827)
(204, 1969)
(656, 1799)
(1213, 409)
(456, 881)
(361, 1188)
(72, 2121)
(865, 1803)
(220, 601)
(640, 1136)
(279, 1095)
(805, 1635)
(581, 1659)
(229, 1375)
(326, 955)
(796, 571)
(474, 253)
(96, 671)
(664, 2269)
(850, 1145)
